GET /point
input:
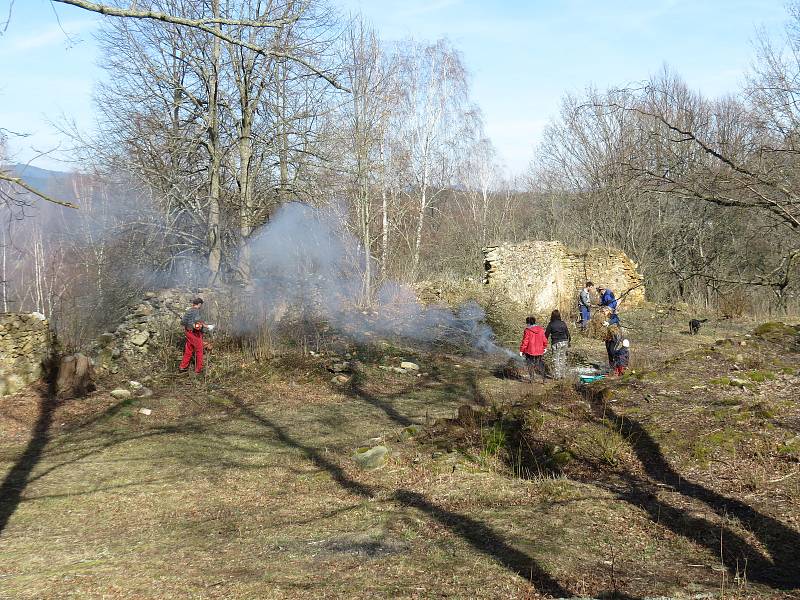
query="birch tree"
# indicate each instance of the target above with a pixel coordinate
(434, 101)
(368, 72)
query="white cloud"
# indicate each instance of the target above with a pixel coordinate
(46, 37)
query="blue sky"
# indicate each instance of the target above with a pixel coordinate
(523, 56)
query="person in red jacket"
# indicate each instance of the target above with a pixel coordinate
(194, 327)
(533, 347)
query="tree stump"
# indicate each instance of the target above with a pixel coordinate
(75, 376)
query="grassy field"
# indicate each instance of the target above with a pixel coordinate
(681, 479)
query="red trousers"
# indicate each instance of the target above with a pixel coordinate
(194, 345)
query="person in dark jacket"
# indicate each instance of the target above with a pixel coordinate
(613, 339)
(194, 327)
(622, 358)
(533, 347)
(558, 332)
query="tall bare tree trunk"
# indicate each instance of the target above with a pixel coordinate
(246, 216)
(485, 215)
(384, 212)
(215, 149)
(39, 266)
(4, 275)
(283, 135)
(365, 217)
(423, 206)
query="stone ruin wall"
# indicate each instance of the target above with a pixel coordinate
(25, 346)
(545, 275)
(149, 325)
(26, 341)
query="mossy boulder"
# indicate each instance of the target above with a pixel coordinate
(559, 457)
(408, 432)
(774, 327)
(371, 458)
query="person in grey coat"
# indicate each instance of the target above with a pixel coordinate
(194, 327)
(585, 303)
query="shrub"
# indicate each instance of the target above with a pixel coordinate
(493, 440)
(735, 304)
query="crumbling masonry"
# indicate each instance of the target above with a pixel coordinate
(545, 275)
(25, 347)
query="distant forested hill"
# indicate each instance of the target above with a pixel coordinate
(57, 184)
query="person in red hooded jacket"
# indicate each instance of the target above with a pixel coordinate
(533, 347)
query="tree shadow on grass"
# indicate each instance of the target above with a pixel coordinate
(384, 404)
(460, 393)
(17, 478)
(781, 541)
(479, 535)
(485, 540)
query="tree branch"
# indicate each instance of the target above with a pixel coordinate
(210, 26)
(34, 191)
(130, 13)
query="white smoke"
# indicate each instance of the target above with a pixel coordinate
(306, 259)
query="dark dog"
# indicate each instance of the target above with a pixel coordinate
(694, 325)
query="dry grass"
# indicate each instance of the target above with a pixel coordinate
(241, 483)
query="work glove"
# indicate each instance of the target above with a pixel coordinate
(210, 327)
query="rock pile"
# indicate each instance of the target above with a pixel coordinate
(148, 326)
(25, 346)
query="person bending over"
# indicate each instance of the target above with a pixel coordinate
(607, 299)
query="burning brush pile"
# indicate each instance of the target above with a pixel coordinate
(512, 369)
(306, 259)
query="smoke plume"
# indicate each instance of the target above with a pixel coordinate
(305, 259)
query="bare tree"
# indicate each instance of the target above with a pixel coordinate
(683, 184)
(369, 74)
(434, 103)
